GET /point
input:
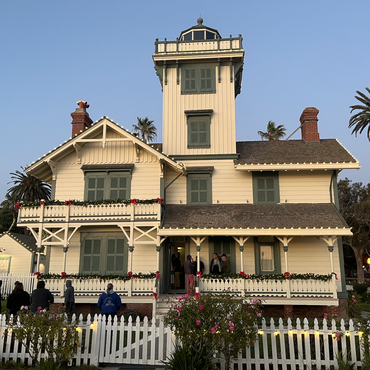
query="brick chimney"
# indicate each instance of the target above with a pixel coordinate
(309, 130)
(80, 118)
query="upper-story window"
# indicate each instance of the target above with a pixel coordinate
(199, 128)
(196, 35)
(199, 185)
(266, 188)
(109, 184)
(198, 79)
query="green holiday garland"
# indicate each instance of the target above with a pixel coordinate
(293, 276)
(64, 276)
(90, 203)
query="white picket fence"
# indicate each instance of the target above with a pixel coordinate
(290, 346)
(8, 280)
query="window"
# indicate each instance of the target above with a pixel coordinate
(199, 128)
(199, 189)
(198, 79)
(107, 185)
(266, 188)
(223, 245)
(267, 255)
(103, 253)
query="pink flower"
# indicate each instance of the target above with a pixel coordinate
(228, 316)
(355, 300)
(254, 341)
(213, 330)
(39, 308)
(174, 306)
(179, 309)
(259, 314)
(186, 296)
(201, 307)
(217, 326)
(249, 314)
(180, 298)
(198, 322)
(325, 316)
(254, 301)
(231, 326)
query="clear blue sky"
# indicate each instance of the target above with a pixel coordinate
(298, 54)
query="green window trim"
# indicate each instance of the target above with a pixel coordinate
(107, 185)
(199, 188)
(271, 249)
(103, 253)
(198, 79)
(266, 188)
(199, 128)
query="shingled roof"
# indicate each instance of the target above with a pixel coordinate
(292, 151)
(244, 216)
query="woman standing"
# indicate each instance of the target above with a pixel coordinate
(17, 299)
(109, 302)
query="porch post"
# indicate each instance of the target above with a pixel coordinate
(241, 249)
(285, 241)
(40, 248)
(158, 249)
(65, 250)
(131, 249)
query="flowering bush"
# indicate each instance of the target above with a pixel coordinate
(47, 331)
(220, 322)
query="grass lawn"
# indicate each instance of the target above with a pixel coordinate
(3, 307)
(364, 306)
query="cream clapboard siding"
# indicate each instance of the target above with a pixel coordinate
(228, 186)
(305, 187)
(144, 259)
(223, 136)
(21, 258)
(145, 182)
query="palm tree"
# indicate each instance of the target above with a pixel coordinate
(146, 128)
(28, 188)
(273, 132)
(361, 120)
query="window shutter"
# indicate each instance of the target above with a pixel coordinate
(95, 187)
(118, 187)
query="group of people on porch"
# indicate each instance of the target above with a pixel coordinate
(218, 266)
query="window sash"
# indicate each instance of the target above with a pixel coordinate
(199, 189)
(198, 79)
(266, 188)
(199, 131)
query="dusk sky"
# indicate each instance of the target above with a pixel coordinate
(298, 54)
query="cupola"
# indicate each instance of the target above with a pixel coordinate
(199, 33)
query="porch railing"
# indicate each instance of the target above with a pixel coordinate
(272, 288)
(102, 213)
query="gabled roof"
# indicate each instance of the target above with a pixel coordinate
(293, 154)
(26, 241)
(252, 219)
(90, 134)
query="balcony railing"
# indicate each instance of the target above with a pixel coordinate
(233, 43)
(91, 213)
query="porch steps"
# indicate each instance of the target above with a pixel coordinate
(164, 303)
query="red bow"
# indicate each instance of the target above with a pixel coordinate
(63, 274)
(18, 206)
(133, 201)
(37, 274)
(336, 276)
(158, 275)
(155, 296)
(287, 275)
(242, 273)
(130, 274)
(42, 202)
(199, 274)
(68, 202)
(160, 200)
(196, 296)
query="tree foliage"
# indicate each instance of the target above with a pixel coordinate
(361, 120)
(273, 132)
(354, 205)
(146, 129)
(28, 188)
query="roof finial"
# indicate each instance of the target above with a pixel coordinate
(200, 21)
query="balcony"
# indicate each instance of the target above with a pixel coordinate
(227, 45)
(82, 214)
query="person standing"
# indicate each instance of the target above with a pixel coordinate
(17, 299)
(225, 265)
(109, 302)
(189, 271)
(215, 265)
(69, 298)
(41, 297)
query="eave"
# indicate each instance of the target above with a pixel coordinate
(255, 232)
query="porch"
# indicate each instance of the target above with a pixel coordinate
(140, 290)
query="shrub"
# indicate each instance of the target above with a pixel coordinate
(48, 331)
(218, 322)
